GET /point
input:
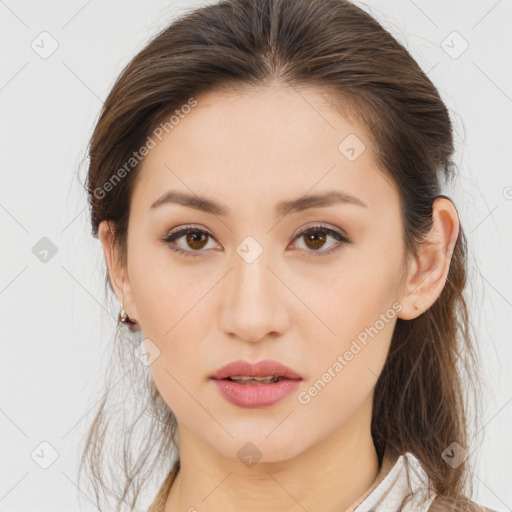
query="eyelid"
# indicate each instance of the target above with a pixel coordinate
(319, 226)
(177, 233)
(187, 227)
(335, 233)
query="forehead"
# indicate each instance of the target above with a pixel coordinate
(266, 144)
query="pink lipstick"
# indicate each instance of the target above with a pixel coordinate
(256, 385)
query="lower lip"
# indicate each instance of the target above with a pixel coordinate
(256, 395)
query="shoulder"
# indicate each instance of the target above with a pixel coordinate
(446, 504)
(429, 499)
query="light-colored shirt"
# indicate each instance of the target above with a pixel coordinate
(394, 481)
(394, 485)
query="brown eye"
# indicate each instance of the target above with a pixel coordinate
(314, 239)
(197, 239)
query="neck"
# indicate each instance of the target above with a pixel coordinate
(342, 469)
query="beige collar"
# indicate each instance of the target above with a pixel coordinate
(388, 461)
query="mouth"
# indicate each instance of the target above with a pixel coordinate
(263, 372)
(256, 381)
(256, 385)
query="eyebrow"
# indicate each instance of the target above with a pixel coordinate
(283, 208)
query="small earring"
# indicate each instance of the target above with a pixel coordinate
(123, 317)
(416, 307)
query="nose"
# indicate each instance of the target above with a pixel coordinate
(254, 300)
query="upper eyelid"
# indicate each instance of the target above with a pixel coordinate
(317, 225)
(332, 231)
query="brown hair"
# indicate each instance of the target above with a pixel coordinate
(420, 403)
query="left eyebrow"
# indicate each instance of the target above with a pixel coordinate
(328, 198)
(283, 208)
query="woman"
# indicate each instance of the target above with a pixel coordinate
(265, 180)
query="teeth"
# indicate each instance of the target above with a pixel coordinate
(242, 377)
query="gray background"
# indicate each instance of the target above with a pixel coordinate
(55, 321)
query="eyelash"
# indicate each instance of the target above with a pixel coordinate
(311, 229)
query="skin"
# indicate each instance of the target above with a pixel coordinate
(248, 151)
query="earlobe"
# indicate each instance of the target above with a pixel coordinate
(429, 269)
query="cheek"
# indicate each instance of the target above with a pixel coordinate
(173, 311)
(358, 312)
(179, 372)
(352, 295)
(345, 367)
(178, 387)
(164, 291)
(369, 285)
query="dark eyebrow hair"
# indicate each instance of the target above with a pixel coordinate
(283, 208)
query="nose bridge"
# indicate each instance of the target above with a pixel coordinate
(253, 304)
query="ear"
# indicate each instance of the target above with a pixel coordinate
(428, 271)
(117, 271)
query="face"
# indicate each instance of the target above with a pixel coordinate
(315, 289)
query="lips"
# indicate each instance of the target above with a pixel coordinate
(266, 368)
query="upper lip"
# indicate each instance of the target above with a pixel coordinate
(261, 369)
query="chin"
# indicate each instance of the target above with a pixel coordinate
(253, 447)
